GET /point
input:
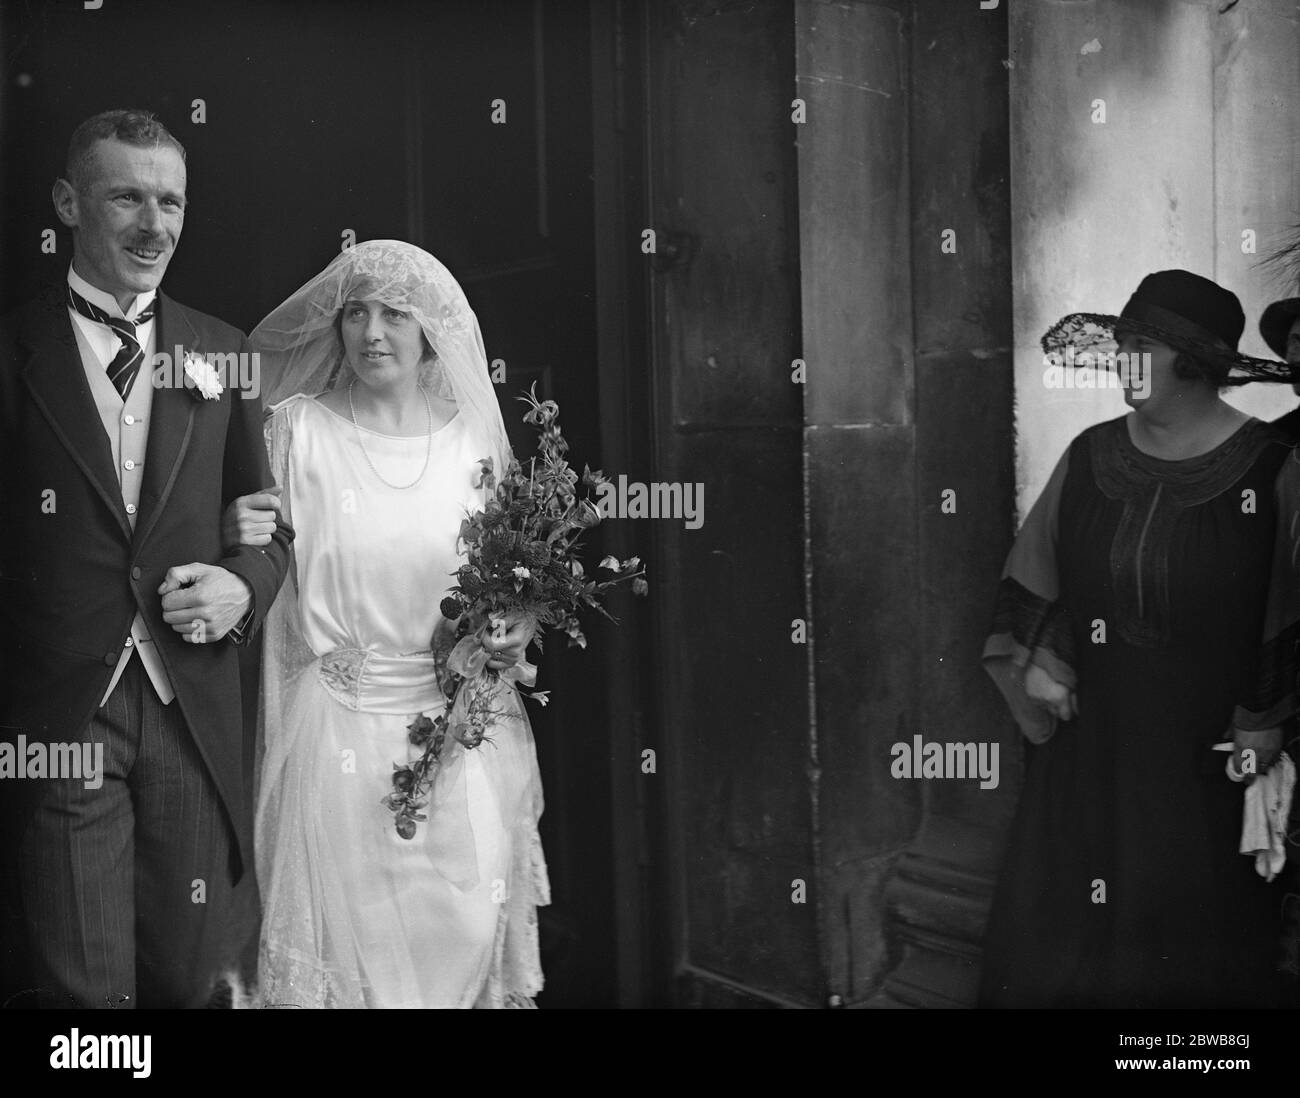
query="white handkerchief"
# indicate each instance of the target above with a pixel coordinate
(1265, 810)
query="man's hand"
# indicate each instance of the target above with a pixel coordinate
(1046, 693)
(250, 520)
(1265, 744)
(203, 602)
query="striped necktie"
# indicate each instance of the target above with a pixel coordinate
(126, 363)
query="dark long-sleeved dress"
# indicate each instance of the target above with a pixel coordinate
(1166, 594)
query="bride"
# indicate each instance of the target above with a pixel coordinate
(380, 411)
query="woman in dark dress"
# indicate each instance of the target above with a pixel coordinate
(1147, 612)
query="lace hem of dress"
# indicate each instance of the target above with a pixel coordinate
(292, 980)
(289, 980)
(515, 977)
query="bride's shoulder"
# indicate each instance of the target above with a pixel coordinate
(444, 408)
(291, 409)
(284, 419)
(336, 400)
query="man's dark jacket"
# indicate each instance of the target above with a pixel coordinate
(72, 573)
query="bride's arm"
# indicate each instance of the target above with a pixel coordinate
(245, 471)
(252, 519)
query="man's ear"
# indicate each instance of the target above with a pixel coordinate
(65, 203)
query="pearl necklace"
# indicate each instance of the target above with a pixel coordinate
(428, 449)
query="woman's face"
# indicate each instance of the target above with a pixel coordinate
(384, 345)
(1156, 362)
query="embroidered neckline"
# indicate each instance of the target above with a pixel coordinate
(1155, 492)
(1127, 436)
(1123, 471)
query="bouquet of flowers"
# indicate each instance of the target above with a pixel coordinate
(522, 561)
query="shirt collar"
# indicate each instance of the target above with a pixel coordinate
(106, 301)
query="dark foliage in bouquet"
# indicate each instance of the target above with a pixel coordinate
(522, 560)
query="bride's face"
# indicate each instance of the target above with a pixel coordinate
(384, 345)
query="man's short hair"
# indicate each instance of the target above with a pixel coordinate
(139, 128)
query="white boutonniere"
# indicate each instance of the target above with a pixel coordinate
(202, 377)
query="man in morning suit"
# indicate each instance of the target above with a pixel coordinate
(119, 608)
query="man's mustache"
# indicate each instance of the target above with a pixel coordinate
(156, 245)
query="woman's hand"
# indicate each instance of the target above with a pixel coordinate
(1046, 693)
(510, 637)
(250, 520)
(1265, 744)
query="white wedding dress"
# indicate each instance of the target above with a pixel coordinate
(353, 914)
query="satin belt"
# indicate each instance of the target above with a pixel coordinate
(369, 682)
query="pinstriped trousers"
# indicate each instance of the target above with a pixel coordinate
(125, 890)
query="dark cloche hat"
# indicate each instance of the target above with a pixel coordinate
(1184, 310)
(1276, 323)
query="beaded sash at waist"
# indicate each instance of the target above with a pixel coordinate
(369, 682)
